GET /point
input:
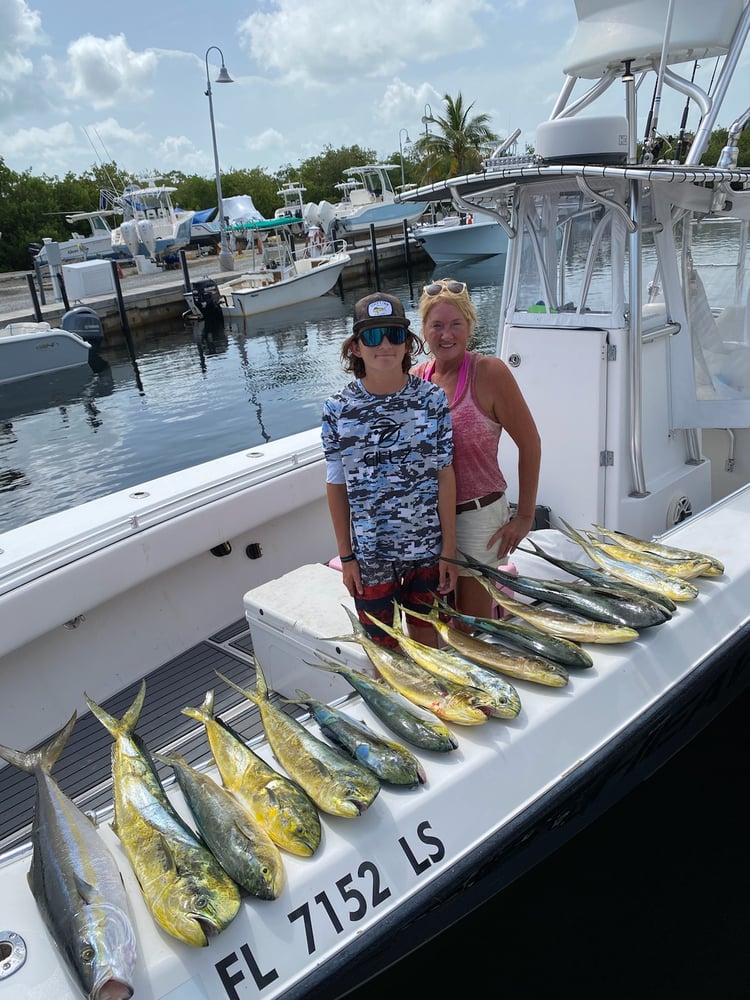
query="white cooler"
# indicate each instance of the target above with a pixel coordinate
(287, 619)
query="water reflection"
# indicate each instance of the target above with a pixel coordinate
(56, 392)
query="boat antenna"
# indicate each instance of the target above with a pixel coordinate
(110, 180)
(651, 145)
(682, 144)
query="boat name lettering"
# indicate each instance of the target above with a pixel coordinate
(359, 894)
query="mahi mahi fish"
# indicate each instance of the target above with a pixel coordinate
(674, 587)
(239, 843)
(598, 606)
(560, 623)
(484, 660)
(671, 552)
(522, 637)
(336, 784)
(287, 812)
(461, 703)
(184, 887)
(416, 725)
(458, 703)
(684, 569)
(392, 762)
(76, 882)
(597, 576)
(455, 660)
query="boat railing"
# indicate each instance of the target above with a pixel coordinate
(321, 251)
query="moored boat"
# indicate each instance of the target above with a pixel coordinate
(368, 199)
(278, 273)
(35, 349)
(195, 574)
(458, 238)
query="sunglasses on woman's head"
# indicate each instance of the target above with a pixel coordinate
(374, 336)
(437, 287)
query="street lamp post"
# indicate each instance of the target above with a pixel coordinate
(226, 261)
(407, 142)
(426, 117)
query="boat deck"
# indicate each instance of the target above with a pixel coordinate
(83, 770)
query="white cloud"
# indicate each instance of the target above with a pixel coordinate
(105, 71)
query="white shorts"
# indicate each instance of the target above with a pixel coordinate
(474, 528)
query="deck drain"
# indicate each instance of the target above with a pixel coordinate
(12, 953)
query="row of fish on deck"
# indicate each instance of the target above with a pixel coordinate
(193, 881)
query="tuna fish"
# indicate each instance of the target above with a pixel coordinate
(76, 882)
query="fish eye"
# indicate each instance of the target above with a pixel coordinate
(88, 953)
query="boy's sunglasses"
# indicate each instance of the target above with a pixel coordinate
(374, 336)
(437, 287)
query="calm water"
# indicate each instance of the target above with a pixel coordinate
(191, 396)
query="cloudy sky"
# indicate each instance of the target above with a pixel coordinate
(87, 81)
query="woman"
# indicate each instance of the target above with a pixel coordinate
(484, 398)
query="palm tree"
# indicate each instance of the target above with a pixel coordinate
(457, 148)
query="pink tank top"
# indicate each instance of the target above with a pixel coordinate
(475, 436)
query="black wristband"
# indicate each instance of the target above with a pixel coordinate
(350, 558)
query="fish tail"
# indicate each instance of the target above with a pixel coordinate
(251, 695)
(126, 725)
(572, 533)
(206, 711)
(43, 757)
(261, 685)
(399, 609)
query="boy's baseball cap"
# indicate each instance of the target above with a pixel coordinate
(379, 309)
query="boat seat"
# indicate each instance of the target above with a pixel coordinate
(13, 329)
(360, 197)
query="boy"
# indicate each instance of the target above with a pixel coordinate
(391, 492)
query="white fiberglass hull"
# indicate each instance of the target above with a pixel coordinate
(447, 243)
(40, 352)
(511, 783)
(250, 295)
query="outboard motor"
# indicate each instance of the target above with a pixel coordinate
(86, 323)
(207, 298)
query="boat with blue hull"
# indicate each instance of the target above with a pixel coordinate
(634, 371)
(458, 238)
(367, 199)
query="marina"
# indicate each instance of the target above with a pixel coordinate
(158, 295)
(168, 544)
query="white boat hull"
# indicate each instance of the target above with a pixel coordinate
(180, 577)
(133, 576)
(29, 349)
(449, 242)
(257, 292)
(388, 216)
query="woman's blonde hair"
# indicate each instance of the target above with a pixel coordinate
(461, 300)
